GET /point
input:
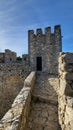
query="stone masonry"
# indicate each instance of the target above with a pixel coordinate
(12, 77)
(65, 95)
(2, 57)
(46, 100)
(16, 117)
(8, 57)
(44, 49)
(44, 104)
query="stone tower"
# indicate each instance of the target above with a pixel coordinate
(44, 49)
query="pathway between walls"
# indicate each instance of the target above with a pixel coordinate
(44, 105)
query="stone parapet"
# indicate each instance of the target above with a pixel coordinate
(47, 46)
(12, 76)
(10, 56)
(16, 117)
(12, 68)
(65, 94)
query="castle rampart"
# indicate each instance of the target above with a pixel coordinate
(8, 57)
(16, 118)
(2, 57)
(12, 77)
(65, 95)
(45, 48)
(56, 83)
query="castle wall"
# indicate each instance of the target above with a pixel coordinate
(65, 95)
(25, 58)
(16, 118)
(10, 56)
(12, 77)
(2, 57)
(47, 46)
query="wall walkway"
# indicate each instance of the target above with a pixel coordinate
(45, 102)
(44, 105)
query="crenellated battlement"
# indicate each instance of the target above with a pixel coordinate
(46, 99)
(46, 37)
(46, 45)
(57, 29)
(47, 30)
(39, 31)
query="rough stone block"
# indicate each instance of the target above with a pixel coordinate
(63, 85)
(68, 76)
(67, 57)
(30, 80)
(69, 90)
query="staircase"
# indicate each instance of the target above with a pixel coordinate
(44, 104)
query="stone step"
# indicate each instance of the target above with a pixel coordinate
(38, 98)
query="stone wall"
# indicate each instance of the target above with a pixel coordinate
(10, 56)
(45, 47)
(65, 94)
(16, 117)
(13, 68)
(2, 57)
(25, 58)
(12, 77)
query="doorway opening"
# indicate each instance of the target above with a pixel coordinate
(39, 63)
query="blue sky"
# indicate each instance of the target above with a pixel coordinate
(19, 16)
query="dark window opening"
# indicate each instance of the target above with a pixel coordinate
(10, 59)
(39, 63)
(24, 58)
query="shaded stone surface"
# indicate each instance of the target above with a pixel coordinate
(12, 78)
(44, 105)
(16, 117)
(45, 47)
(65, 96)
